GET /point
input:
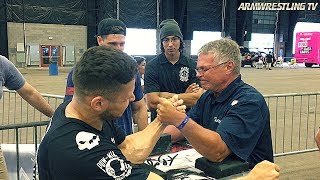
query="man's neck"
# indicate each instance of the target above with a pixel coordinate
(173, 58)
(225, 85)
(78, 111)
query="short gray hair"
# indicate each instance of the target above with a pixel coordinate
(224, 50)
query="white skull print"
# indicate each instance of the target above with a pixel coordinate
(86, 140)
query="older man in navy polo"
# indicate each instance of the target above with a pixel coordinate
(231, 118)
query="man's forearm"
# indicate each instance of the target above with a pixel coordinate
(41, 105)
(140, 114)
(189, 99)
(140, 118)
(35, 99)
(166, 95)
(138, 146)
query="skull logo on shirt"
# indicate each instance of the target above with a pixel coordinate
(86, 140)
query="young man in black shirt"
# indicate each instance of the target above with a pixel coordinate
(82, 141)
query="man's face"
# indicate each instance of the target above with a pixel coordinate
(142, 67)
(210, 73)
(119, 101)
(171, 45)
(115, 40)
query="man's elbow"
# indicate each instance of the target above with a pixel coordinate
(137, 159)
(217, 157)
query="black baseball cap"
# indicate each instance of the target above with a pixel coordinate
(111, 26)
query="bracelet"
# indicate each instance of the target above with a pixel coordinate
(183, 123)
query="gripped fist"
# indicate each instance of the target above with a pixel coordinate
(167, 111)
(264, 170)
(178, 103)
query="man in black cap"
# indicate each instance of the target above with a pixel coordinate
(171, 72)
(112, 32)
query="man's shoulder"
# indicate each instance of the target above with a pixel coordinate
(5, 62)
(155, 60)
(249, 92)
(188, 60)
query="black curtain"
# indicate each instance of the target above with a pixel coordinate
(3, 29)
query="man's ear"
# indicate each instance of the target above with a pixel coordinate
(99, 40)
(99, 103)
(230, 66)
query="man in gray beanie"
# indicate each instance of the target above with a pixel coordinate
(169, 27)
(112, 32)
(171, 72)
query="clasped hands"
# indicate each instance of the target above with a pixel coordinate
(171, 111)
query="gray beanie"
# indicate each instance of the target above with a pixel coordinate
(169, 27)
(111, 26)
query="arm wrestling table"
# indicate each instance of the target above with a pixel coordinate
(184, 162)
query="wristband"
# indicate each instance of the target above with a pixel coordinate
(183, 123)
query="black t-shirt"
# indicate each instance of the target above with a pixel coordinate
(71, 149)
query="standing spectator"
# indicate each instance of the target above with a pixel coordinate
(317, 138)
(269, 59)
(11, 78)
(171, 72)
(112, 32)
(231, 118)
(141, 61)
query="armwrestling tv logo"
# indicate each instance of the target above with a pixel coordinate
(278, 6)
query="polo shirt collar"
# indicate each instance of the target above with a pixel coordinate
(230, 89)
(182, 59)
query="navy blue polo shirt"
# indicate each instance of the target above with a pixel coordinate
(241, 116)
(163, 76)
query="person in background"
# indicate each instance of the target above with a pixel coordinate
(269, 60)
(171, 72)
(231, 118)
(11, 78)
(141, 61)
(112, 32)
(317, 138)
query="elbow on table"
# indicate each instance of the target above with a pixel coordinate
(215, 157)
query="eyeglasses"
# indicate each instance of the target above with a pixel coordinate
(202, 70)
